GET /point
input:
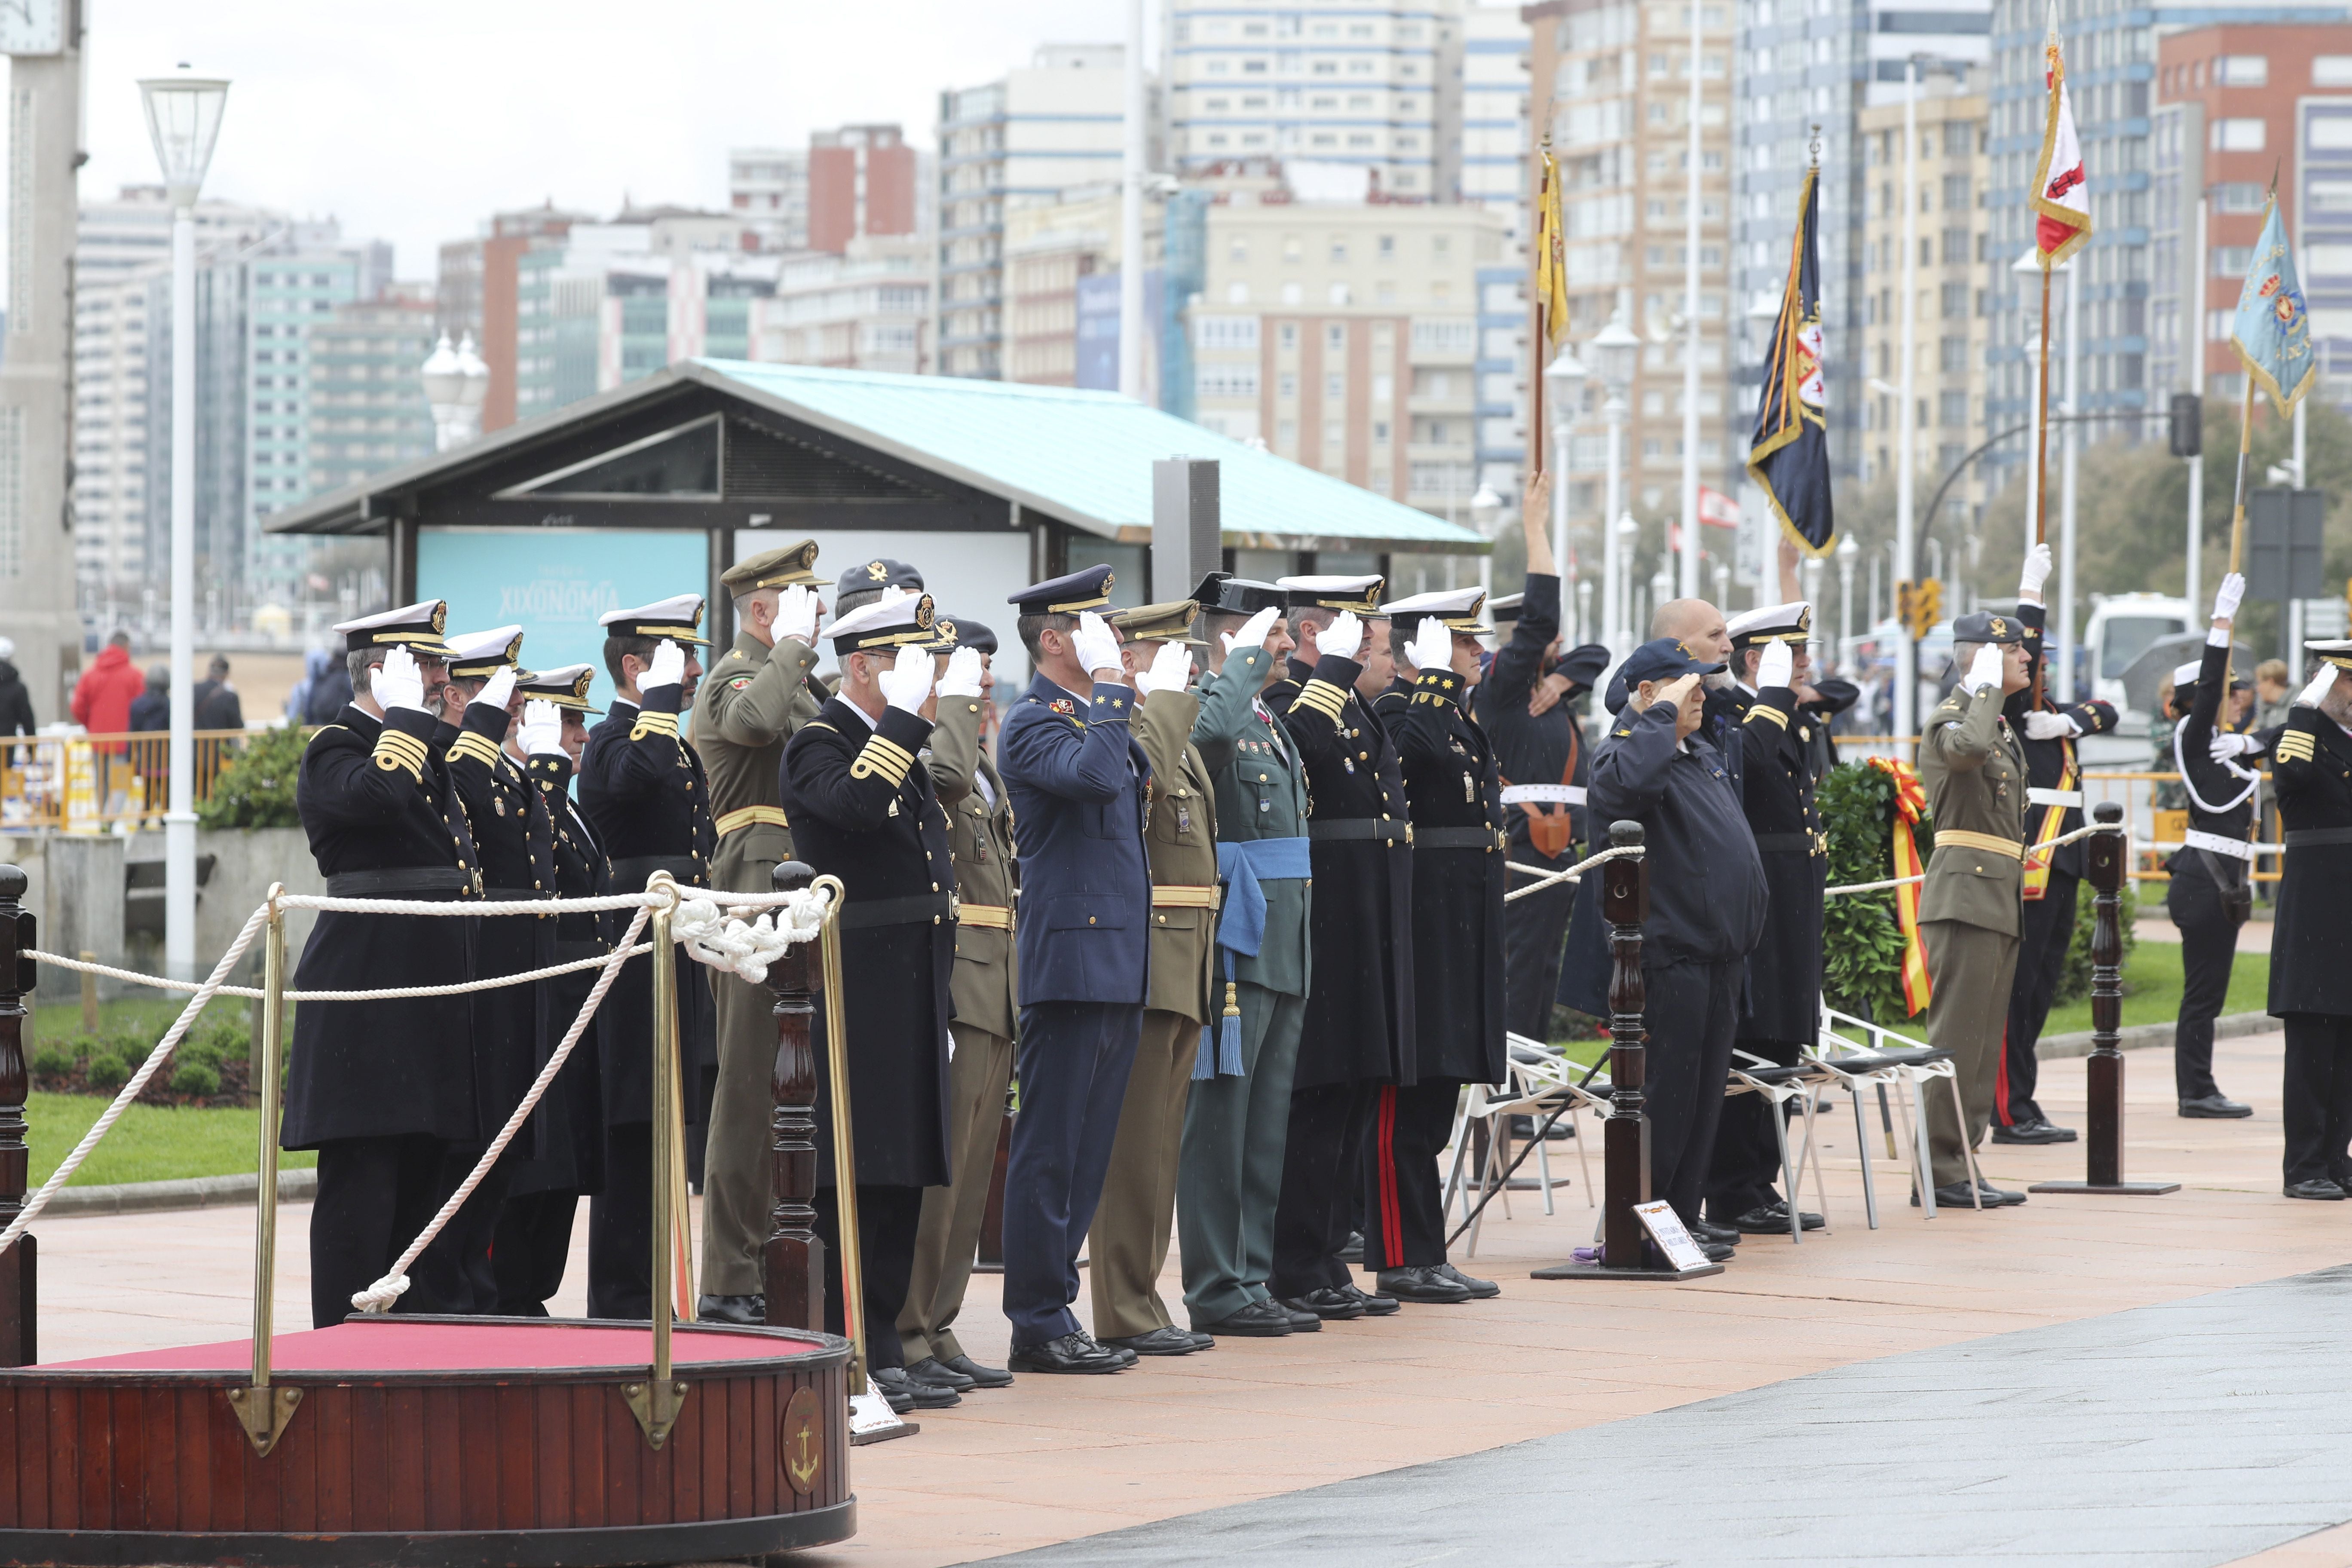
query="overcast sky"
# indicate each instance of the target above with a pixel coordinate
(415, 121)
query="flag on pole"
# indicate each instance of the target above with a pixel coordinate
(1717, 510)
(1551, 257)
(1789, 457)
(2062, 195)
(2272, 332)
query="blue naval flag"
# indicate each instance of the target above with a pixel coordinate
(2273, 331)
(1789, 457)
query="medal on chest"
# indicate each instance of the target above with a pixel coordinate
(499, 804)
(1183, 816)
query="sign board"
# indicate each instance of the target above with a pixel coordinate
(2282, 541)
(555, 582)
(1665, 1228)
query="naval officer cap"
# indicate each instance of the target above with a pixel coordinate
(1360, 594)
(679, 619)
(1582, 666)
(778, 568)
(1457, 607)
(1222, 594)
(1984, 626)
(1506, 609)
(897, 620)
(1663, 659)
(417, 627)
(474, 656)
(2185, 676)
(2337, 651)
(960, 631)
(1086, 590)
(566, 688)
(1170, 622)
(1790, 623)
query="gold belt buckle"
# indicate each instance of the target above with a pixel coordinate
(955, 905)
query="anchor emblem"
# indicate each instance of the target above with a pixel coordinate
(802, 1448)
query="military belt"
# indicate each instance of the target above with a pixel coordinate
(629, 875)
(1795, 843)
(399, 881)
(1990, 842)
(1393, 829)
(1549, 793)
(985, 917)
(2236, 848)
(516, 895)
(1174, 896)
(746, 816)
(2314, 838)
(915, 910)
(1488, 839)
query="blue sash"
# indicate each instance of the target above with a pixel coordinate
(1242, 864)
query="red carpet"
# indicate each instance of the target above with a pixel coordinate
(395, 1344)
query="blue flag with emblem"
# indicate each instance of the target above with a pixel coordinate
(1789, 457)
(2272, 330)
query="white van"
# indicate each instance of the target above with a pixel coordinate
(2121, 628)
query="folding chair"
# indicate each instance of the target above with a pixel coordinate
(1540, 1083)
(1779, 1085)
(1906, 1064)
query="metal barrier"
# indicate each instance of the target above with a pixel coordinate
(2156, 830)
(87, 784)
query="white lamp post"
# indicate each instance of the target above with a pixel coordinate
(1564, 381)
(1848, 551)
(183, 116)
(455, 381)
(1614, 348)
(1486, 511)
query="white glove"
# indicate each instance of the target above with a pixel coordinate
(1098, 646)
(907, 682)
(542, 728)
(2307, 698)
(962, 675)
(398, 683)
(796, 613)
(2228, 596)
(498, 688)
(1776, 666)
(1431, 647)
(2043, 725)
(1171, 670)
(1342, 638)
(668, 666)
(1255, 631)
(1984, 669)
(2225, 746)
(2036, 572)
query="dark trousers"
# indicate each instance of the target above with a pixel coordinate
(530, 1250)
(1402, 1202)
(473, 1228)
(375, 1195)
(1322, 1169)
(2045, 931)
(2209, 946)
(1746, 1160)
(887, 1219)
(621, 1226)
(1690, 1010)
(1534, 928)
(2316, 1099)
(1072, 1060)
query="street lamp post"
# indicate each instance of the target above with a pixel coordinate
(456, 382)
(1486, 511)
(1564, 382)
(1614, 348)
(1848, 551)
(183, 116)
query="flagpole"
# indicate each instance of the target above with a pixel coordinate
(2238, 511)
(1543, 325)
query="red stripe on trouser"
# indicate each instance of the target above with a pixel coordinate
(1392, 1216)
(2000, 1081)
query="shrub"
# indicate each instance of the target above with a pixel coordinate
(257, 790)
(1862, 942)
(107, 1071)
(53, 1061)
(195, 1078)
(2075, 979)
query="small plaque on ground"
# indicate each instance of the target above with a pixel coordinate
(1665, 1228)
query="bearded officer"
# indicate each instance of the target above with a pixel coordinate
(1128, 1240)
(1974, 768)
(2311, 953)
(1453, 791)
(864, 810)
(383, 1089)
(754, 700)
(643, 787)
(565, 1142)
(1078, 779)
(979, 841)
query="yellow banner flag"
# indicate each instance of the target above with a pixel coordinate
(1552, 256)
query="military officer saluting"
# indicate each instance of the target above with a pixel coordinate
(643, 787)
(980, 838)
(564, 1147)
(383, 1089)
(1128, 1242)
(751, 702)
(1969, 906)
(2311, 953)
(864, 810)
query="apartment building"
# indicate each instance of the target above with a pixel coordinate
(768, 188)
(367, 406)
(476, 293)
(869, 308)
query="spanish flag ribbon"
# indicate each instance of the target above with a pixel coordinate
(1910, 807)
(2053, 819)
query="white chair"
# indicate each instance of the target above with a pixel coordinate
(1542, 1085)
(1752, 1074)
(1851, 1052)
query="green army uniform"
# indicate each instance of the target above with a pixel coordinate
(1128, 1241)
(1971, 904)
(751, 702)
(980, 837)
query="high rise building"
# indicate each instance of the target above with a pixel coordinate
(1496, 139)
(861, 181)
(285, 296)
(768, 188)
(476, 293)
(111, 364)
(367, 406)
(134, 230)
(869, 308)
(1046, 128)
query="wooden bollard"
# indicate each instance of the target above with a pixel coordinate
(19, 1265)
(2103, 1146)
(793, 1261)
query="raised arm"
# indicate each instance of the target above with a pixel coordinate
(758, 706)
(1313, 718)
(1164, 725)
(855, 797)
(645, 765)
(1225, 697)
(341, 786)
(1061, 756)
(1629, 769)
(1965, 731)
(954, 756)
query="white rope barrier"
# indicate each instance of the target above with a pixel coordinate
(2038, 852)
(255, 993)
(479, 906)
(1573, 873)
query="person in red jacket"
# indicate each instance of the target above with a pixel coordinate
(101, 705)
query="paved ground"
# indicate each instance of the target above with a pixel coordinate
(1049, 1461)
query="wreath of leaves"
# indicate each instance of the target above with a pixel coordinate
(1862, 942)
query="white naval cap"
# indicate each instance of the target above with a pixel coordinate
(2337, 651)
(474, 655)
(678, 618)
(1361, 595)
(896, 619)
(566, 688)
(1457, 607)
(416, 626)
(1790, 623)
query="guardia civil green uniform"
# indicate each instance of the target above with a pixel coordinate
(750, 701)
(1973, 765)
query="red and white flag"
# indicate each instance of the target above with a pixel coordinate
(2061, 196)
(1717, 510)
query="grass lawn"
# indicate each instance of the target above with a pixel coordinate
(2152, 989)
(150, 1143)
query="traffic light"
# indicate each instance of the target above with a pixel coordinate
(2188, 424)
(1919, 605)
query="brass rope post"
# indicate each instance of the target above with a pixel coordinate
(263, 1411)
(656, 1402)
(845, 1157)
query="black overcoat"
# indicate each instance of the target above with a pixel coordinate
(1783, 999)
(516, 840)
(2311, 949)
(567, 1131)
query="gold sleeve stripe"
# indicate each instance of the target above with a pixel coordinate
(1322, 697)
(1773, 714)
(2295, 747)
(476, 746)
(395, 750)
(654, 724)
(882, 758)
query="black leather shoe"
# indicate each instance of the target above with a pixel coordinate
(2035, 1131)
(1330, 1303)
(1169, 1341)
(1707, 1230)
(1302, 1321)
(1953, 1195)
(1200, 1341)
(929, 1370)
(1354, 1251)
(2318, 1188)
(1425, 1285)
(900, 1404)
(2000, 1197)
(1480, 1289)
(1258, 1321)
(896, 1384)
(1718, 1252)
(1375, 1306)
(1126, 1356)
(744, 1312)
(1072, 1352)
(2214, 1107)
(981, 1376)
(1772, 1219)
